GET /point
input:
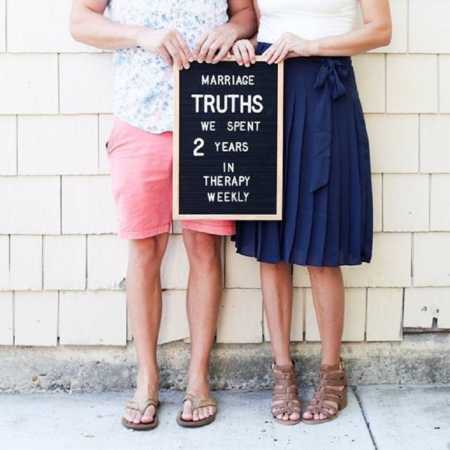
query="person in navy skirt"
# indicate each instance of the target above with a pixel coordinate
(327, 213)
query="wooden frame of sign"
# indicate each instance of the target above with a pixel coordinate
(277, 138)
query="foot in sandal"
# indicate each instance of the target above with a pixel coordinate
(199, 407)
(204, 410)
(330, 396)
(141, 411)
(285, 402)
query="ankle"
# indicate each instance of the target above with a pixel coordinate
(331, 362)
(198, 382)
(284, 361)
(199, 371)
(148, 379)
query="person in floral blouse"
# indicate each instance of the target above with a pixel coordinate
(149, 37)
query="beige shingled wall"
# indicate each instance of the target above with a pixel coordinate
(62, 268)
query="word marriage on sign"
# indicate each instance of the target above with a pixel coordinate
(228, 142)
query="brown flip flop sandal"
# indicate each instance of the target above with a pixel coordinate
(142, 407)
(331, 395)
(197, 402)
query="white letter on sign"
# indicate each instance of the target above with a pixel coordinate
(199, 144)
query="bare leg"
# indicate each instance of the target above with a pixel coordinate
(329, 302)
(144, 304)
(203, 301)
(276, 282)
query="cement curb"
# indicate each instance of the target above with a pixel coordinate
(418, 359)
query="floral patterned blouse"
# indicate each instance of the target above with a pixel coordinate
(143, 82)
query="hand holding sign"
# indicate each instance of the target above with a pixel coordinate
(169, 44)
(214, 45)
(244, 52)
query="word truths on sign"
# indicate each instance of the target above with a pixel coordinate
(230, 103)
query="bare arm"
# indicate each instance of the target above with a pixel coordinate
(376, 32)
(90, 26)
(254, 39)
(243, 18)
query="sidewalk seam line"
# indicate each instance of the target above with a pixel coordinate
(358, 399)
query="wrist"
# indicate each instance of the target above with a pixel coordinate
(138, 34)
(232, 30)
(314, 48)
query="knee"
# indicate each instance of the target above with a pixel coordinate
(146, 254)
(203, 249)
(319, 272)
(280, 268)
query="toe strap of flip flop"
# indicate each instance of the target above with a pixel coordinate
(141, 407)
(200, 402)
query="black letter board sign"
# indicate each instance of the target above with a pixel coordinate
(228, 142)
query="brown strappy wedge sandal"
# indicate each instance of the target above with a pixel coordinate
(141, 407)
(331, 395)
(197, 402)
(285, 394)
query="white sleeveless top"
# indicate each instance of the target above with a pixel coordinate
(309, 19)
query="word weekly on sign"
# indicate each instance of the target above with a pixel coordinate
(228, 142)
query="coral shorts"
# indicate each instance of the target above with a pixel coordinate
(141, 172)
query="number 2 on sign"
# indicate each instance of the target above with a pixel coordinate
(199, 144)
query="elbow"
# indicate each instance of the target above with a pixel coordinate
(384, 35)
(387, 37)
(76, 27)
(75, 32)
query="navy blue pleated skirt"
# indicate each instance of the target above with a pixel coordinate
(327, 210)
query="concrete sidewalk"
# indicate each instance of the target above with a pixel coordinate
(378, 417)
